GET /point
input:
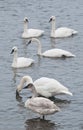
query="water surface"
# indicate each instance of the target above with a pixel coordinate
(69, 72)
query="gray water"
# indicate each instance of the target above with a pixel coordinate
(13, 115)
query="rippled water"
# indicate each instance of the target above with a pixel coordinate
(13, 115)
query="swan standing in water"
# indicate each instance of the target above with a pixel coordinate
(60, 32)
(44, 86)
(40, 105)
(57, 53)
(28, 33)
(19, 62)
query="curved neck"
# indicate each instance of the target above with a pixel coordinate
(25, 26)
(25, 79)
(39, 46)
(34, 92)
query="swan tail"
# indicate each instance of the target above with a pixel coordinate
(75, 32)
(73, 55)
(67, 92)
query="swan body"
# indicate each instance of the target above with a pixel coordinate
(57, 53)
(19, 62)
(44, 86)
(40, 105)
(62, 31)
(28, 33)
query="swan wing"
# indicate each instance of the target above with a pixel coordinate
(32, 33)
(41, 105)
(57, 53)
(52, 88)
(42, 81)
(24, 62)
(35, 32)
(64, 32)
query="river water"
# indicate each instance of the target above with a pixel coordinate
(13, 115)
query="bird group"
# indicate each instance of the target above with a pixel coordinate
(44, 87)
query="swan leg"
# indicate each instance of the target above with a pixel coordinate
(43, 117)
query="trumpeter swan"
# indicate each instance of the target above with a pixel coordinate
(19, 62)
(28, 33)
(60, 32)
(57, 53)
(40, 105)
(46, 87)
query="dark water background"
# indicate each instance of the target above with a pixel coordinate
(13, 115)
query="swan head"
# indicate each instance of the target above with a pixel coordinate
(18, 90)
(26, 20)
(33, 40)
(14, 49)
(52, 18)
(25, 79)
(37, 42)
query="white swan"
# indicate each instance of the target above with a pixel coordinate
(19, 62)
(40, 105)
(52, 52)
(46, 87)
(28, 33)
(60, 32)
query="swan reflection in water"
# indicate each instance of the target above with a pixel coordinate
(40, 124)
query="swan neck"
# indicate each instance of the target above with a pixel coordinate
(53, 27)
(15, 58)
(25, 27)
(25, 79)
(39, 48)
(34, 92)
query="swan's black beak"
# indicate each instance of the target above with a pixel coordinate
(29, 42)
(25, 87)
(12, 51)
(50, 20)
(27, 20)
(17, 93)
(28, 86)
(18, 97)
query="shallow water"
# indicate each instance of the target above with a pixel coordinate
(69, 72)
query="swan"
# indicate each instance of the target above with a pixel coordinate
(46, 87)
(40, 105)
(19, 62)
(62, 31)
(28, 33)
(57, 53)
